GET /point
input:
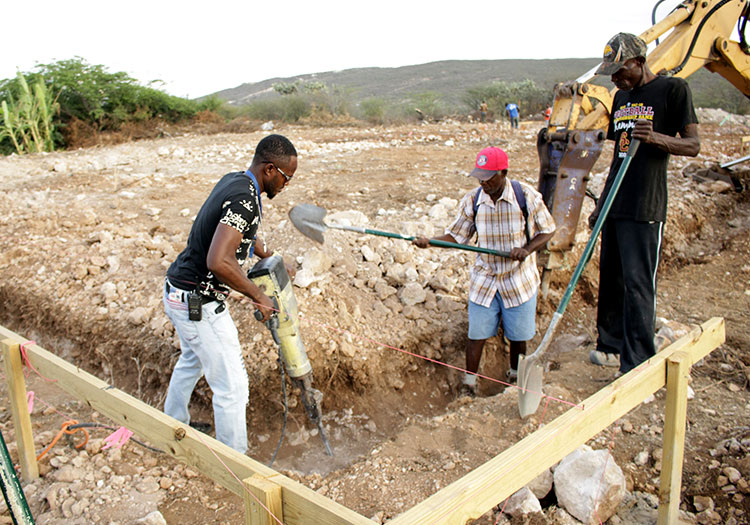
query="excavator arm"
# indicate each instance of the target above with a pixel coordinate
(572, 141)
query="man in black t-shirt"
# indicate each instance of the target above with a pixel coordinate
(658, 111)
(223, 236)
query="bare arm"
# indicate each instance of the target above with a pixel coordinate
(222, 262)
(535, 244)
(687, 143)
(424, 242)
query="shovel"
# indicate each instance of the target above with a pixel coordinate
(529, 367)
(308, 219)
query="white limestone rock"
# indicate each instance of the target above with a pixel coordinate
(522, 503)
(412, 294)
(589, 484)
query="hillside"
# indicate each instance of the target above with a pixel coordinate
(451, 79)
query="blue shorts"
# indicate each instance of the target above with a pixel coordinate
(519, 322)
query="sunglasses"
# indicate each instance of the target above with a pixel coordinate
(287, 177)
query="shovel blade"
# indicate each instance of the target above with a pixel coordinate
(308, 219)
(530, 374)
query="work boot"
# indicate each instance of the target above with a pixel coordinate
(603, 358)
(201, 426)
(511, 375)
(465, 390)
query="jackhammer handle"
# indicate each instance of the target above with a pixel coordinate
(259, 315)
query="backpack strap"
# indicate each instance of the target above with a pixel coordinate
(476, 202)
(520, 198)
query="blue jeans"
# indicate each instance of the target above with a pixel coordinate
(210, 346)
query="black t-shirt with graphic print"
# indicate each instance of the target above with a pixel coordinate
(234, 201)
(668, 103)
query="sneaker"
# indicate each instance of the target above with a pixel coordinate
(603, 358)
(511, 375)
(618, 374)
(465, 390)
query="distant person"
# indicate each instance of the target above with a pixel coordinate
(509, 216)
(483, 111)
(511, 109)
(198, 282)
(653, 109)
(547, 114)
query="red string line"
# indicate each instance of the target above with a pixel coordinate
(200, 438)
(26, 361)
(435, 361)
(601, 478)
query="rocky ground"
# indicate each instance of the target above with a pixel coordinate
(86, 236)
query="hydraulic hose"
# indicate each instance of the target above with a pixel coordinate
(689, 53)
(14, 496)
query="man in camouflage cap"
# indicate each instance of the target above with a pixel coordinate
(658, 111)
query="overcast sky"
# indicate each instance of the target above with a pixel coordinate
(198, 48)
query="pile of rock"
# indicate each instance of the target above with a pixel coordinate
(588, 485)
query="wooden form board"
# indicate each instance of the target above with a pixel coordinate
(485, 487)
(463, 500)
(300, 504)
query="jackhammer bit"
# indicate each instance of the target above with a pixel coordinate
(271, 276)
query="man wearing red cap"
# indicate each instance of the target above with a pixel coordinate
(658, 111)
(506, 216)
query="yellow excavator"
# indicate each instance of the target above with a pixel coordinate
(572, 141)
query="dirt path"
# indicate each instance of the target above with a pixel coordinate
(86, 236)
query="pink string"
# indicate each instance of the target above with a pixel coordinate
(28, 363)
(384, 345)
(601, 478)
(501, 511)
(198, 435)
(117, 438)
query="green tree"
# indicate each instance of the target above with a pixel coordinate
(427, 103)
(531, 98)
(87, 93)
(285, 88)
(373, 109)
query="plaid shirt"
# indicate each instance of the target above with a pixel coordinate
(499, 226)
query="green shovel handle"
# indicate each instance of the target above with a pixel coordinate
(446, 244)
(589, 249)
(442, 244)
(433, 242)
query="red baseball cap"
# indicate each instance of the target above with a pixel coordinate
(489, 161)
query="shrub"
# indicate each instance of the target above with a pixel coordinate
(27, 117)
(531, 98)
(373, 110)
(88, 98)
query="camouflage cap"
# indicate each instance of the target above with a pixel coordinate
(620, 48)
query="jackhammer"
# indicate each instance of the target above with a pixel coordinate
(271, 277)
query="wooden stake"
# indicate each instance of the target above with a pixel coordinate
(678, 371)
(266, 493)
(20, 409)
